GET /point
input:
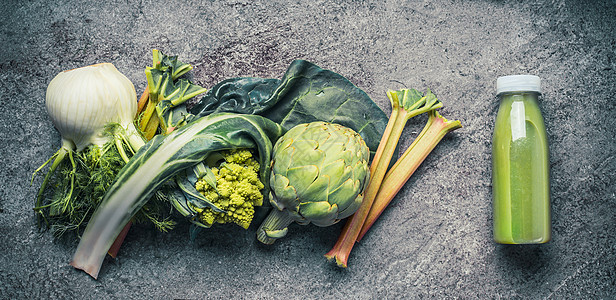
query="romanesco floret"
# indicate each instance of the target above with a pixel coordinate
(237, 190)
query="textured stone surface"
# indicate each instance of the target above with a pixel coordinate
(435, 238)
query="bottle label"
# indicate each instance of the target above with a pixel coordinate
(518, 120)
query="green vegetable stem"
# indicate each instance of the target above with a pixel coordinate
(165, 92)
(434, 130)
(405, 105)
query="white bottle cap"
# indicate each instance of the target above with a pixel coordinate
(518, 83)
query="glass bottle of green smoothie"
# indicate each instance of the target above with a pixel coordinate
(520, 164)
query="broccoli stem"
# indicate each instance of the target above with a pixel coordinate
(435, 129)
(405, 105)
(274, 226)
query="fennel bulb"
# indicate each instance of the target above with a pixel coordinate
(93, 108)
(81, 102)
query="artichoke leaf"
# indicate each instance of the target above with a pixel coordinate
(304, 154)
(318, 189)
(338, 147)
(302, 177)
(320, 213)
(352, 208)
(338, 171)
(285, 194)
(340, 194)
(282, 163)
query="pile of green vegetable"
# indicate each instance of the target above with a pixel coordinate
(93, 108)
(310, 146)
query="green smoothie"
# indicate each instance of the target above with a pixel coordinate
(520, 174)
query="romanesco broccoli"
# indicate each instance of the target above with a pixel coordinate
(237, 189)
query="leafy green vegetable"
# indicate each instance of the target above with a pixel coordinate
(306, 93)
(160, 160)
(167, 91)
(244, 95)
(263, 109)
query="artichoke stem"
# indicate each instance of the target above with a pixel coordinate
(274, 226)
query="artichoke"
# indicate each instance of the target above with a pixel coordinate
(319, 172)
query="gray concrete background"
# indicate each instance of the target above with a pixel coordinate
(435, 238)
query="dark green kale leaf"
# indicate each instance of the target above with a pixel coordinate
(305, 93)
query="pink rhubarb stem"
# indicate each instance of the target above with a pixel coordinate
(405, 105)
(434, 131)
(381, 160)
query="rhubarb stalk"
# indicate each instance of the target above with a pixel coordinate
(436, 128)
(405, 105)
(143, 100)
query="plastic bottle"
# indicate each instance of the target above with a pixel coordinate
(520, 164)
